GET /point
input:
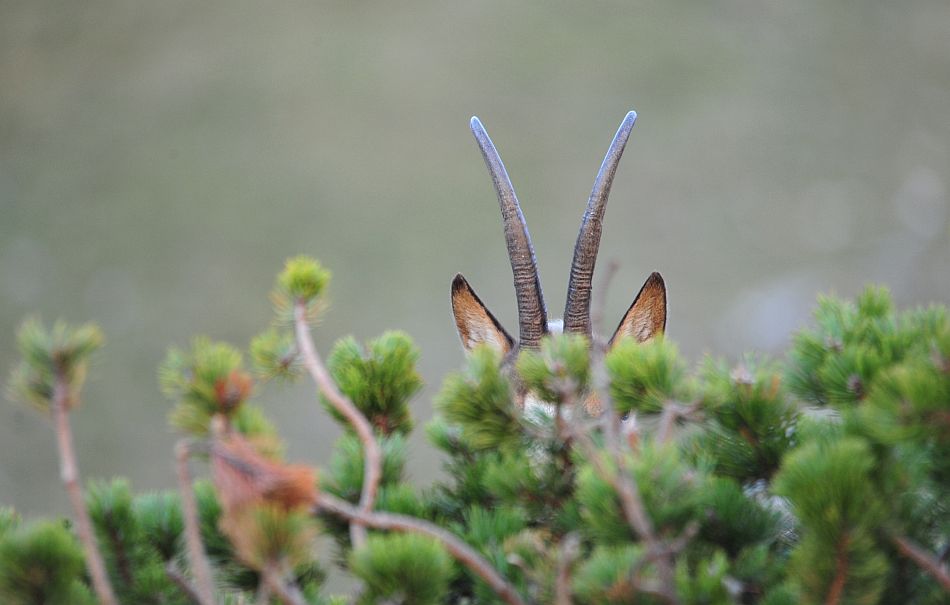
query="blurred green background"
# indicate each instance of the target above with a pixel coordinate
(160, 160)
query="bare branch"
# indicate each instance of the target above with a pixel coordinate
(924, 559)
(620, 476)
(685, 537)
(288, 594)
(372, 458)
(197, 558)
(175, 575)
(836, 590)
(666, 550)
(672, 412)
(630, 502)
(570, 547)
(465, 554)
(263, 594)
(633, 510)
(69, 471)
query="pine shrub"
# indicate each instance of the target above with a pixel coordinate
(819, 477)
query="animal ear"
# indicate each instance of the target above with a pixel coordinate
(646, 317)
(475, 323)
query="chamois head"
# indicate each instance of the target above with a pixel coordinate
(476, 325)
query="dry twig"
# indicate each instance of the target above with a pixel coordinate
(175, 575)
(69, 471)
(924, 559)
(372, 465)
(672, 413)
(288, 594)
(197, 558)
(570, 549)
(620, 476)
(465, 554)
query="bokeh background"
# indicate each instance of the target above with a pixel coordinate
(160, 160)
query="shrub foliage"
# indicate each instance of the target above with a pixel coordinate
(823, 477)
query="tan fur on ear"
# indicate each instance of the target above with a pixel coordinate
(646, 317)
(475, 323)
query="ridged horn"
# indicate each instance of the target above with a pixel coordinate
(577, 309)
(532, 316)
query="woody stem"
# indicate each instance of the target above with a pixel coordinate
(197, 558)
(372, 459)
(69, 471)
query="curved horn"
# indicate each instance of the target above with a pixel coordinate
(532, 316)
(577, 310)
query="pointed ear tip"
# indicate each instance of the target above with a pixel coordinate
(458, 282)
(656, 283)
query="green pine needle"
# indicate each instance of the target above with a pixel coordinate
(345, 475)
(402, 569)
(643, 377)
(303, 278)
(40, 563)
(480, 402)
(605, 577)
(380, 382)
(560, 371)
(60, 353)
(274, 355)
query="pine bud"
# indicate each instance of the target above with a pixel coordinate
(232, 390)
(303, 278)
(59, 355)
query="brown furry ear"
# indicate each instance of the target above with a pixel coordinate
(475, 323)
(646, 317)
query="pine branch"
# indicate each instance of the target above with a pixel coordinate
(263, 594)
(196, 552)
(122, 562)
(69, 471)
(924, 559)
(174, 574)
(372, 466)
(622, 478)
(836, 590)
(570, 547)
(288, 594)
(672, 413)
(462, 552)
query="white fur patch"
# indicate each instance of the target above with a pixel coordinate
(485, 332)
